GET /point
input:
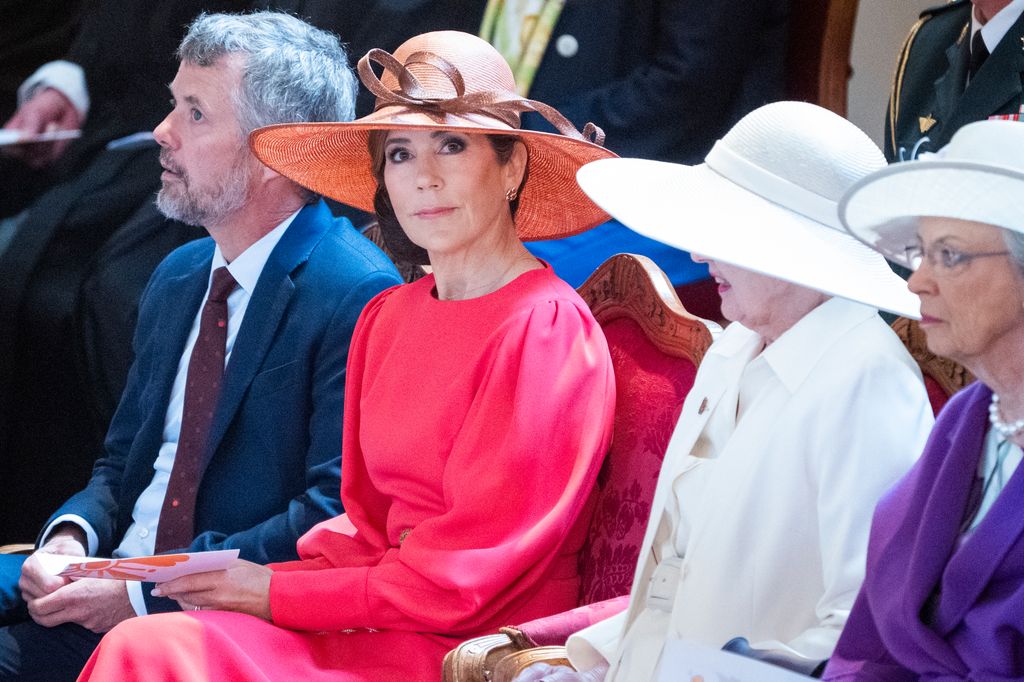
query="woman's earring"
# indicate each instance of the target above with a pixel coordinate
(511, 195)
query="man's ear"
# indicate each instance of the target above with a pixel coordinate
(268, 175)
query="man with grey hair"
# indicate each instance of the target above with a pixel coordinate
(228, 434)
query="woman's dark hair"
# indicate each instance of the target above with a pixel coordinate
(400, 246)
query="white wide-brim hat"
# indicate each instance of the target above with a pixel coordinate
(765, 199)
(978, 176)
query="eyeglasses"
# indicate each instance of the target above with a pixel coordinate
(944, 259)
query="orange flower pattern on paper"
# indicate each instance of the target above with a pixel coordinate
(123, 569)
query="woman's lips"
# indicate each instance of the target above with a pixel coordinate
(723, 285)
(928, 319)
(434, 212)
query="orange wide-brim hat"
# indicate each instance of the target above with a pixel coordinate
(444, 80)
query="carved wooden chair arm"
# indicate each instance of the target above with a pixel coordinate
(20, 548)
(475, 659)
(511, 665)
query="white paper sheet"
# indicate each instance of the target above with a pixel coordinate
(152, 569)
(11, 137)
(683, 661)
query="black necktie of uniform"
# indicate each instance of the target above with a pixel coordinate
(979, 53)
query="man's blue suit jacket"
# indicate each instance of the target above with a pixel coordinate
(274, 457)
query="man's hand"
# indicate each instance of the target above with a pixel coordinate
(48, 109)
(97, 605)
(35, 582)
(542, 672)
(245, 587)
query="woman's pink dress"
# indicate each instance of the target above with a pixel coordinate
(474, 431)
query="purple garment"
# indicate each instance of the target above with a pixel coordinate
(976, 627)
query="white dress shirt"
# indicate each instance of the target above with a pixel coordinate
(999, 460)
(996, 28)
(760, 519)
(140, 539)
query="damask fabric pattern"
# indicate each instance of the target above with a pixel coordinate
(936, 396)
(650, 388)
(554, 630)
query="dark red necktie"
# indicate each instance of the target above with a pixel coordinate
(176, 527)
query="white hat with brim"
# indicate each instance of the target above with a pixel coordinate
(734, 210)
(978, 176)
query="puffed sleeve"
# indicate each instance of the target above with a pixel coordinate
(519, 473)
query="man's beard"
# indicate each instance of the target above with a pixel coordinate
(204, 206)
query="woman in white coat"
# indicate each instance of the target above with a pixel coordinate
(804, 411)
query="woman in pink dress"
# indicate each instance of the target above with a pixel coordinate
(479, 399)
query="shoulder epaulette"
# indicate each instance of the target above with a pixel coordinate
(901, 63)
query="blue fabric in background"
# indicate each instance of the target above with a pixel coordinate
(575, 258)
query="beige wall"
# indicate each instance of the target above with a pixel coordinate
(877, 37)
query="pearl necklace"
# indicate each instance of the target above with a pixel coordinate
(1005, 430)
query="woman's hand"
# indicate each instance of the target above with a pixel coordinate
(543, 672)
(244, 587)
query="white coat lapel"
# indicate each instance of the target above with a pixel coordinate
(718, 376)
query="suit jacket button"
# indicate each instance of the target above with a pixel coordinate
(567, 45)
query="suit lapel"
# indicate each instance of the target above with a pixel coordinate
(188, 287)
(263, 315)
(998, 82)
(919, 551)
(972, 566)
(949, 87)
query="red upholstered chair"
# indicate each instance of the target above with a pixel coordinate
(655, 347)
(942, 377)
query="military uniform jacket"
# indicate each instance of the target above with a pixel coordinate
(929, 101)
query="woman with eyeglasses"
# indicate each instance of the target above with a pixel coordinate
(944, 593)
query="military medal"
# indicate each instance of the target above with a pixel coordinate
(926, 123)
